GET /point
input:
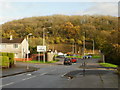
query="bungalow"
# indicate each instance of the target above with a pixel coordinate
(18, 46)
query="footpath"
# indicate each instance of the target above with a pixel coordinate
(18, 68)
(21, 67)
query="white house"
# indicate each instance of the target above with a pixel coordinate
(18, 46)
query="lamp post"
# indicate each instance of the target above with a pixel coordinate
(28, 48)
(44, 43)
(84, 44)
(73, 48)
(93, 46)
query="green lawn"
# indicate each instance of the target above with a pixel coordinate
(96, 56)
(35, 61)
(74, 56)
(108, 65)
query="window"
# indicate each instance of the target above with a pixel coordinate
(15, 45)
(2, 46)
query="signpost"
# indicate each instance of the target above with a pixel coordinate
(41, 49)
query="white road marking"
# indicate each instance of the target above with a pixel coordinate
(24, 79)
(7, 84)
(32, 77)
(28, 78)
(29, 74)
(63, 75)
(43, 74)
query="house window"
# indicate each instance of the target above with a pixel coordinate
(2, 46)
(15, 45)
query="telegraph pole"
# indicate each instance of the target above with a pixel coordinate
(84, 44)
(93, 46)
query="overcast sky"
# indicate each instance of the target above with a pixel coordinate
(17, 9)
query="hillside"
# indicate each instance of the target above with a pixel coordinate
(69, 30)
(64, 29)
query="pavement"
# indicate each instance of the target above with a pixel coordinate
(21, 67)
(18, 68)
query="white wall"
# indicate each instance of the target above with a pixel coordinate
(19, 51)
(24, 48)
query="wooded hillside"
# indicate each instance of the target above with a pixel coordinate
(69, 29)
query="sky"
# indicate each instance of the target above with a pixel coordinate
(16, 9)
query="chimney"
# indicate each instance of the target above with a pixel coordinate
(11, 38)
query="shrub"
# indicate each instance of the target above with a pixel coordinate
(10, 56)
(4, 54)
(4, 61)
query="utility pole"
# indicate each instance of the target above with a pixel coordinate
(28, 48)
(93, 46)
(84, 44)
(73, 47)
(44, 43)
(103, 58)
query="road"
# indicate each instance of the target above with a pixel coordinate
(61, 76)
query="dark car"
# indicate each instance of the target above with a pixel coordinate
(74, 60)
(87, 56)
(60, 56)
(67, 61)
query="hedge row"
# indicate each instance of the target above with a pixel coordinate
(4, 61)
(10, 57)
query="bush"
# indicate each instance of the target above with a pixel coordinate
(3, 54)
(4, 61)
(10, 56)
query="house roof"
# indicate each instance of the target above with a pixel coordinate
(14, 40)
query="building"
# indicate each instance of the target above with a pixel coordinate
(18, 46)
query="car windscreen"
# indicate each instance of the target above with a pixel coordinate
(67, 59)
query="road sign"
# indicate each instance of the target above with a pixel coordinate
(41, 48)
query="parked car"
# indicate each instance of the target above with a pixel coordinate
(74, 60)
(87, 56)
(60, 56)
(84, 57)
(67, 61)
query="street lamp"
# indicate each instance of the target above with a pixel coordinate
(84, 44)
(28, 48)
(44, 43)
(93, 46)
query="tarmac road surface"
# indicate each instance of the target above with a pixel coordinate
(65, 76)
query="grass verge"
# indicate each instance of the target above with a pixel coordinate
(108, 65)
(74, 56)
(96, 56)
(35, 61)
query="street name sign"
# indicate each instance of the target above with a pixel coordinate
(41, 48)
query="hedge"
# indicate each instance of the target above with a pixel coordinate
(10, 56)
(4, 61)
